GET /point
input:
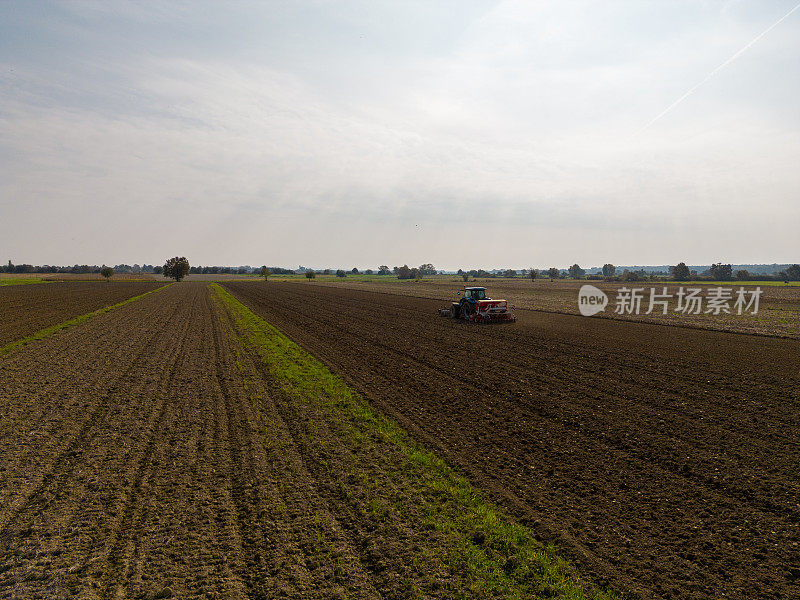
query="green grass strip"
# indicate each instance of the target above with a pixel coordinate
(72, 322)
(20, 281)
(508, 563)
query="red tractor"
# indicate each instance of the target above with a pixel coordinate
(475, 306)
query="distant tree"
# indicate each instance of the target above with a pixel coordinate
(464, 276)
(107, 272)
(553, 273)
(721, 272)
(533, 273)
(630, 275)
(340, 273)
(326, 272)
(354, 271)
(680, 272)
(369, 272)
(427, 269)
(265, 273)
(576, 272)
(384, 270)
(509, 273)
(176, 268)
(742, 274)
(310, 274)
(404, 272)
(609, 270)
(793, 273)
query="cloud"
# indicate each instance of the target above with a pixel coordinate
(519, 119)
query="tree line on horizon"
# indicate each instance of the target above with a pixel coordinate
(679, 272)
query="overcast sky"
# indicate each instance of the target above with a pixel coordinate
(466, 134)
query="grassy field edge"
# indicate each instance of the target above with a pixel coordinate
(47, 331)
(20, 281)
(496, 556)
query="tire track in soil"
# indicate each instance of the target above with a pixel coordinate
(135, 510)
(706, 505)
(199, 411)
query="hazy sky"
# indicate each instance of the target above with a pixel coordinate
(466, 134)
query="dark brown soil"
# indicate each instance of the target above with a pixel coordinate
(132, 465)
(145, 454)
(26, 309)
(664, 460)
(778, 310)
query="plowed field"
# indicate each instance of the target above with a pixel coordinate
(778, 309)
(149, 452)
(135, 468)
(26, 309)
(661, 459)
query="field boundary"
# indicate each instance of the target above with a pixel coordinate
(496, 555)
(48, 331)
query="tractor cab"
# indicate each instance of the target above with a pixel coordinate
(475, 293)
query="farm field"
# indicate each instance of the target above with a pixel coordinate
(179, 447)
(663, 460)
(99, 277)
(779, 307)
(26, 309)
